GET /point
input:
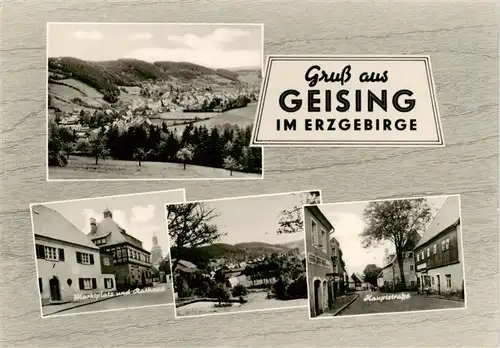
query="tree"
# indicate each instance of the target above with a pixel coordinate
(140, 154)
(97, 148)
(185, 154)
(189, 227)
(397, 221)
(291, 220)
(231, 164)
(68, 148)
(371, 273)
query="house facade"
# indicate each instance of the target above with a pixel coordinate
(68, 263)
(130, 262)
(438, 255)
(338, 268)
(318, 258)
(390, 275)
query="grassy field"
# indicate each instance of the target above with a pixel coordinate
(84, 168)
(242, 117)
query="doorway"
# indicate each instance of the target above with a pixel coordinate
(55, 291)
(317, 284)
(438, 284)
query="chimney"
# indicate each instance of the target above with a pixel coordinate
(107, 213)
(93, 226)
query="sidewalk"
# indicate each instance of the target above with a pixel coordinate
(56, 308)
(340, 304)
(451, 298)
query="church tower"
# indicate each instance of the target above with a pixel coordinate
(156, 251)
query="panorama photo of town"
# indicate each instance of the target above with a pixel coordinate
(384, 256)
(239, 254)
(103, 254)
(152, 101)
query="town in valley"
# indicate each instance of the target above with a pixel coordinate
(151, 115)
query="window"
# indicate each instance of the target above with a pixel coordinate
(443, 247)
(50, 253)
(119, 253)
(323, 242)
(84, 258)
(334, 251)
(448, 280)
(410, 254)
(412, 283)
(40, 284)
(105, 261)
(411, 267)
(428, 252)
(432, 280)
(108, 283)
(69, 282)
(447, 243)
(418, 257)
(422, 255)
(103, 241)
(87, 283)
(434, 249)
(314, 231)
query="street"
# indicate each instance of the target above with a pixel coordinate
(127, 301)
(413, 303)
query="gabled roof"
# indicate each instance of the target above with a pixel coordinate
(447, 216)
(357, 276)
(49, 223)
(113, 233)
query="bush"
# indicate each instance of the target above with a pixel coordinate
(297, 289)
(220, 293)
(239, 290)
(57, 159)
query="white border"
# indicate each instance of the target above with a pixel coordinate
(262, 68)
(332, 144)
(228, 199)
(91, 199)
(401, 312)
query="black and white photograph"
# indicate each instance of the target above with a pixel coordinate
(239, 254)
(103, 254)
(384, 256)
(153, 101)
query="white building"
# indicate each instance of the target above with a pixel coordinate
(68, 263)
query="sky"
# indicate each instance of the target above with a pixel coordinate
(141, 215)
(254, 219)
(211, 45)
(347, 218)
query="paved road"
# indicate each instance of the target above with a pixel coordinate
(413, 303)
(128, 301)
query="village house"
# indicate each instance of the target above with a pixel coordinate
(438, 255)
(319, 264)
(338, 268)
(358, 283)
(390, 276)
(130, 261)
(67, 260)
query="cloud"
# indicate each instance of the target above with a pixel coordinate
(209, 57)
(348, 227)
(142, 214)
(217, 38)
(142, 36)
(88, 35)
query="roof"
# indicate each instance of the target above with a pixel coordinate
(185, 266)
(357, 276)
(314, 209)
(49, 223)
(109, 229)
(393, 258)
(447, 216)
